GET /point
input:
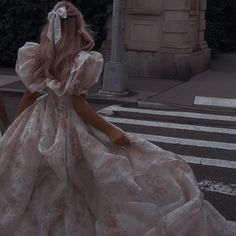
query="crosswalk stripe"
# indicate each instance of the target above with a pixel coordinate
(212, 186)
(190, 159)
(171, 125)
(205, 185)
(183, 141)
(210, 162)
(171, 113)
(213, 101)
(188, 142)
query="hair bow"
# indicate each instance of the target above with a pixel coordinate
(54, 28)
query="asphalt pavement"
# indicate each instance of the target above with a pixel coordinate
(206, 140)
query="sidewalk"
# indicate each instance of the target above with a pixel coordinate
(215, 88)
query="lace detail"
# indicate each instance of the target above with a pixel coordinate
(62, 177)
(78, 91)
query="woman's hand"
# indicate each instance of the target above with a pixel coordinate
(118, 137)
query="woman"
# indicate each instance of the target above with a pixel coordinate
(66, 171)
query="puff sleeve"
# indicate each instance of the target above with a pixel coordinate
(85, 72)
(24, 66)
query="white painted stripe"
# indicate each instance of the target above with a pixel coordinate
(216, 102)
(171, 125)
(210, 162)
(188, 142)
(170, 113)
(212, 186)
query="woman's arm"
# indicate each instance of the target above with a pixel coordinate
(27, 99)
(3, 114)
(89, 115)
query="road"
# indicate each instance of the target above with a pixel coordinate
(207, 141)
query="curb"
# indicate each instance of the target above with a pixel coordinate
(134, 98)
(7, 90)
(152, 105)
(138, 99)
(111, 101)
(93, 98)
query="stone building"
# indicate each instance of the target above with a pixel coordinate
(163, 38)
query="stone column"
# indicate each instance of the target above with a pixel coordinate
(163, 39)
(201, 43)
(176, 26)
(115, 73)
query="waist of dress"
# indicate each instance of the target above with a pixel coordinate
(60, 105)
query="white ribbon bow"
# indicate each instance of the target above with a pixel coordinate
(54, 28)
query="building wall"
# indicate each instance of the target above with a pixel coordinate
(163, 38)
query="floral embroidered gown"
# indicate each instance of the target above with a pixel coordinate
(61, 177)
